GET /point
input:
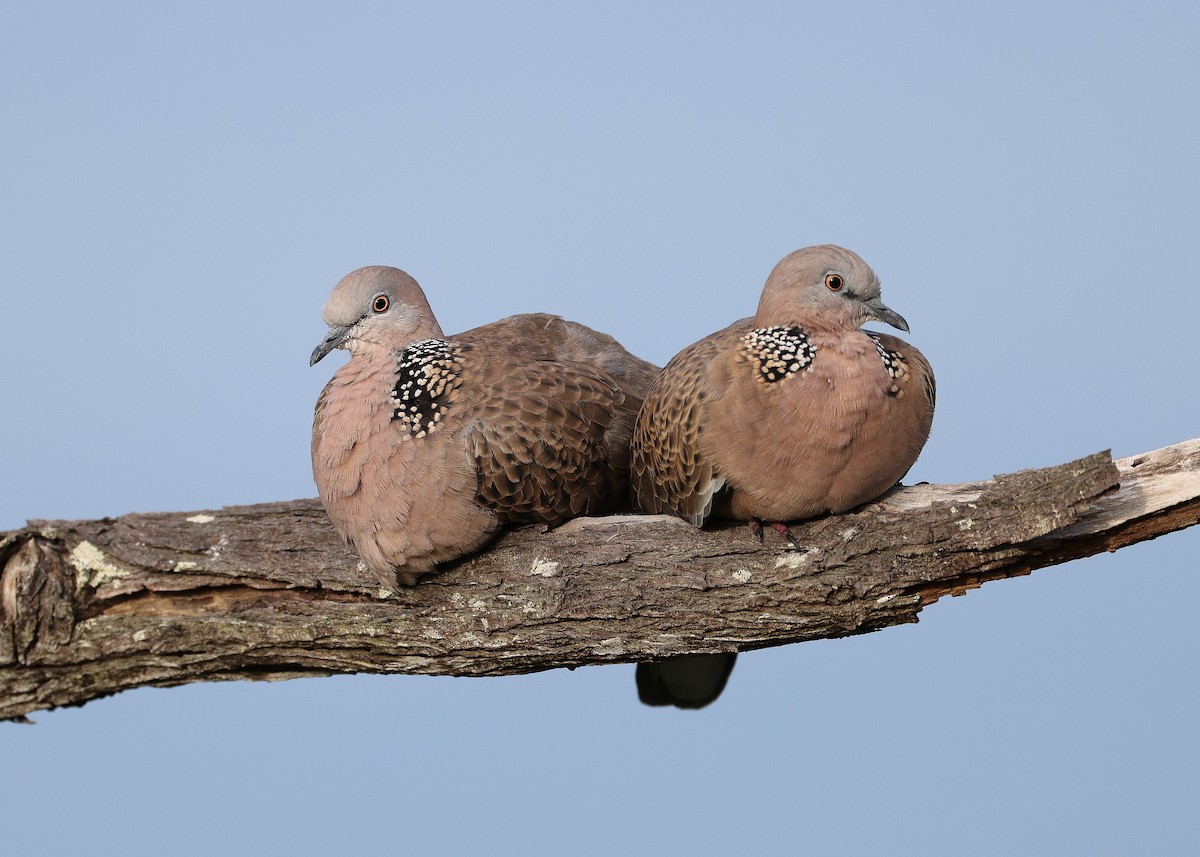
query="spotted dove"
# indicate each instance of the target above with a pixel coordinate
(794, 413)
(424, 445)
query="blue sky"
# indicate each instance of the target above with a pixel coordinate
(184, 184)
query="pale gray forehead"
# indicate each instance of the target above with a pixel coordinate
(811, 264)
(352, 297)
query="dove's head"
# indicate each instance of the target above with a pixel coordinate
(376, 306)
(824, 285)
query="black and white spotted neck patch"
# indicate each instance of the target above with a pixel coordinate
(426, 373)
(778, 352)
(894, 363)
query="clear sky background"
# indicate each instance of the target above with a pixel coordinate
(182, 185)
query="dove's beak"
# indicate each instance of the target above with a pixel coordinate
(334, 339)
(879, 311)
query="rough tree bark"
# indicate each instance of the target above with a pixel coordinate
(90, 608)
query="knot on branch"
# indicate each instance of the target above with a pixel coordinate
(37, 598)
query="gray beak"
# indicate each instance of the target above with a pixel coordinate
(879, 311)
(335, 337)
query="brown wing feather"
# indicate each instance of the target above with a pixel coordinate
(668, 472)
(540, 336)
(555, 444)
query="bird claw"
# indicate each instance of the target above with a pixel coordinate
(785, 531)
(756, 527)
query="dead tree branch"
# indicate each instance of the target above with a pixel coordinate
(90, 608)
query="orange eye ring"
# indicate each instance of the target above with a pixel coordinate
(834, 282)
(381, 303)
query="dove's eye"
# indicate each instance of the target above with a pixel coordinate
(834, 282)
(381, 303)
